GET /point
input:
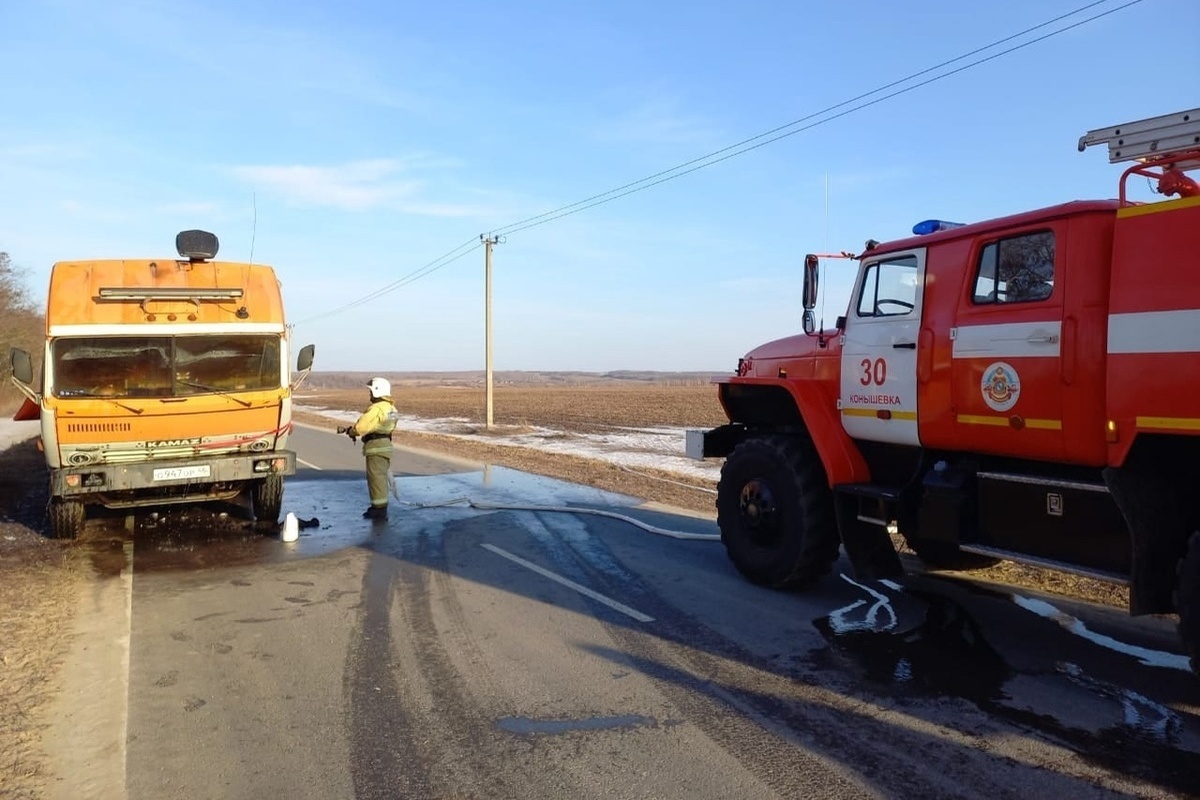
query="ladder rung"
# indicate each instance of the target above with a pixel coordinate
(1156, 137)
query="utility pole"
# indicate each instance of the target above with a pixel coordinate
(488, 241)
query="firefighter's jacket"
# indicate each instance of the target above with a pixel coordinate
(375, 427)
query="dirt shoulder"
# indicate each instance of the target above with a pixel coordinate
(38, 588)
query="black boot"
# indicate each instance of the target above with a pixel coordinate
(375, 512)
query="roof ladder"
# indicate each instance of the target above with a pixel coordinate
(1152, 140)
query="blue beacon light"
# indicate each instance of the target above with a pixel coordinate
(933, 226)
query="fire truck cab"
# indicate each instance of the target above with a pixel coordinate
(1020, 388)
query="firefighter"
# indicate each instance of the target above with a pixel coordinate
(375, 426)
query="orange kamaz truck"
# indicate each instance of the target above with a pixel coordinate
(164, 381)
(1022, 388)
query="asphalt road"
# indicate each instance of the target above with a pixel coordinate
(468, 652)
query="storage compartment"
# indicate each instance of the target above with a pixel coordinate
(1066, 521)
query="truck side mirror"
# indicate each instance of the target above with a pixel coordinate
(22, 365)
(810, 322)
(811, 279)
(304, 361)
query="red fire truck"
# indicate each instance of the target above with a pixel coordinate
(1023, 388)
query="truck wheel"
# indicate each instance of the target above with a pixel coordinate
(775, 511)
(1187, 601)
(66, 518)
(267, 499)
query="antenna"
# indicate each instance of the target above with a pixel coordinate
(821, 327)
(254, 225)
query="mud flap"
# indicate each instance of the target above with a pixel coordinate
(1152, 502)
(867, 545)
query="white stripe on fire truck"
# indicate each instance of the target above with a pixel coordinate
(1154, 332)
(1008, 340)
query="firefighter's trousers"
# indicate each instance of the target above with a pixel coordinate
(379, 469)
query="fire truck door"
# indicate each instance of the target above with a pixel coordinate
(878, 399)
(1007, 389)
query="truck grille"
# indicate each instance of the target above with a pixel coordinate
(99, 427)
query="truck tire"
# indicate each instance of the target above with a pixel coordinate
(775, 511)
(66, 518)
(1187, 601)
(267, 499)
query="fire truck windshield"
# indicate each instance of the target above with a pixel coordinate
(164, 366)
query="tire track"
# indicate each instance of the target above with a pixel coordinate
(385, 759)
(788, 723)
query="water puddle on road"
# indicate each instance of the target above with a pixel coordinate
(918, 644)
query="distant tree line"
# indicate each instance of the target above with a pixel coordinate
(21, 325)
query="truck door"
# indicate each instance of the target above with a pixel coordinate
(1006, 386)
(878, 399)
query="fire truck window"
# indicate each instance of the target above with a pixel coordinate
(889, 288)
(1016, 270)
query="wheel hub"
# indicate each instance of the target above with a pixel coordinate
(757, 504)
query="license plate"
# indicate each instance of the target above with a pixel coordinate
(182, 473)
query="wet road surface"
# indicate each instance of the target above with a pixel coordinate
(458, 652)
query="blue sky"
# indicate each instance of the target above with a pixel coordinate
(355, 143)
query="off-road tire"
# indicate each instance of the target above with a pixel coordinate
(775, 511)
(66, 518)
(266, 497)
(1187, 601)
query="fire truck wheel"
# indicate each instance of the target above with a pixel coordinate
(775, 511)
(267, 497)
(1187, 601)
(66, 518)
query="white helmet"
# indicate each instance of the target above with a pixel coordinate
(379, 388)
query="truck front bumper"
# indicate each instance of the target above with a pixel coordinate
(715, 443)
(173, 478)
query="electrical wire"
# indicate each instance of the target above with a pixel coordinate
(670, 175)
(557, 213)
(747, 145)
(433, 266)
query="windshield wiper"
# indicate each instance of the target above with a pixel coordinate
(93, 396)
(235, 398)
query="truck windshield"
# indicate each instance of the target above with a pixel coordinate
(165, 366)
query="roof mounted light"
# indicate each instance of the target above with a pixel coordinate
(168, 293)
(196, 245)
(934, 225)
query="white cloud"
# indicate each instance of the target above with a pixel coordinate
(356, 186)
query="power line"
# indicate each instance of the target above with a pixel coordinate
(669, 175)
(747, 145)
(556, 213)
(433, 266)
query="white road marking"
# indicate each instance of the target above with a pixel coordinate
(613, 604)
(308, 464)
